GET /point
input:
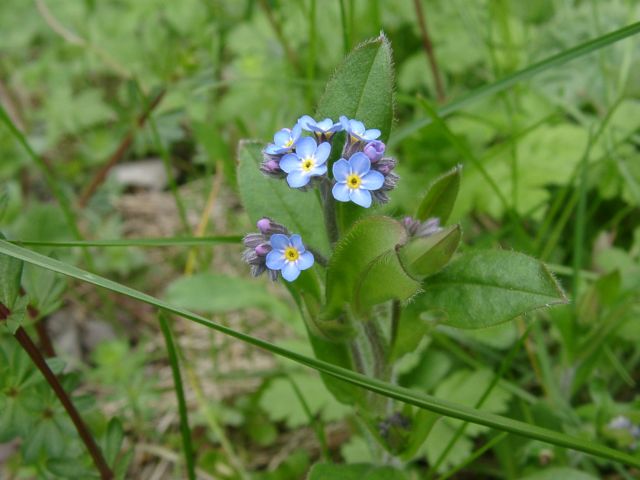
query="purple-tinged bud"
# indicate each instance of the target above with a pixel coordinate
(264, 224)
(271, 166)
(263, 249)
(374, 150)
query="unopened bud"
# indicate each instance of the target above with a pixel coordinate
(374, 150)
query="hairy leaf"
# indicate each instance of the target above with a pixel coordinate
(488, 287)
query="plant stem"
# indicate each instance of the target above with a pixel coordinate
(182, 404)
(277, 28)
(329, 210)
(36, 357)
(428, 49)
(346, 40)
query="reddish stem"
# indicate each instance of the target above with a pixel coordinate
(36, 357)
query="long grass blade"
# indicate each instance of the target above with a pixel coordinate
(519, 76)
(135, 242)
(185, 431)
(427, 402)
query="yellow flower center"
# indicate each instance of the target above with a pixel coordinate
(291, 254)
(288, 143)
(308, 164)
(354, 181)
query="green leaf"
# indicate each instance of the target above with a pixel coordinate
(280, 402)
(262, 196)
(424, 256)
(488, 287)
(113, 440)
(17, 315)
(427, 402)
(362, 87)
(44, 289)
(357, 471)
(441, 196)
(215, 293)
(365, 269)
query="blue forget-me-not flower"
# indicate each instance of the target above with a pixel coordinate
(323, 130)
(355, 180)
(288, 255)
(308, 161)
(284, 141)
(357, 130)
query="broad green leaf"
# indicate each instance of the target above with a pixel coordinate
(441, 196)
(427, 402)
(487, 287)
(215, 293)
(44, 289)
(262, 196)
(18, 313)
(362, 87)
(357, 471)
(357, 269)
(424, 256)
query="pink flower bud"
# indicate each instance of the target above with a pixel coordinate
(264, 224)
(374, 150)
(263, 249)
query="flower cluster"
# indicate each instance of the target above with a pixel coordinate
(273, 250)
(361, 175)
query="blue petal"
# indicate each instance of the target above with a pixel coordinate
(306, 260)
(322, 152)
(372, 180)
(341, 170)
(290, 162)
(306, 147)
(290, 271)
(337, 127)
(306, 122)
(361, 197)
(271, 149)
(296, 242)
(325, 124)
(296, 132)
(356, 127)
(298, 178)
(360, 163)
(340, 192)
(319, 170)
(372, 134)
(279, 242)
(344, 121)
(275, 260)
(282, 137)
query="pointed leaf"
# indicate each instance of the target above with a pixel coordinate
(362, 87)
(365, 244)
(10, 278)
(488, 287)
(424, 256)
(441, 196)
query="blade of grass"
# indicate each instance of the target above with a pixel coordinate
(519, 76)
(427, 402)
(185, 431)
(346, 40)
(475, 455)
(136, 242)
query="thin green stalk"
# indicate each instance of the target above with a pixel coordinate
(313, 49)
(405, 395)
(182, 404)
(475, 455)
(135, 242)
(516, 77)
(52, 181)
(504, 366)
